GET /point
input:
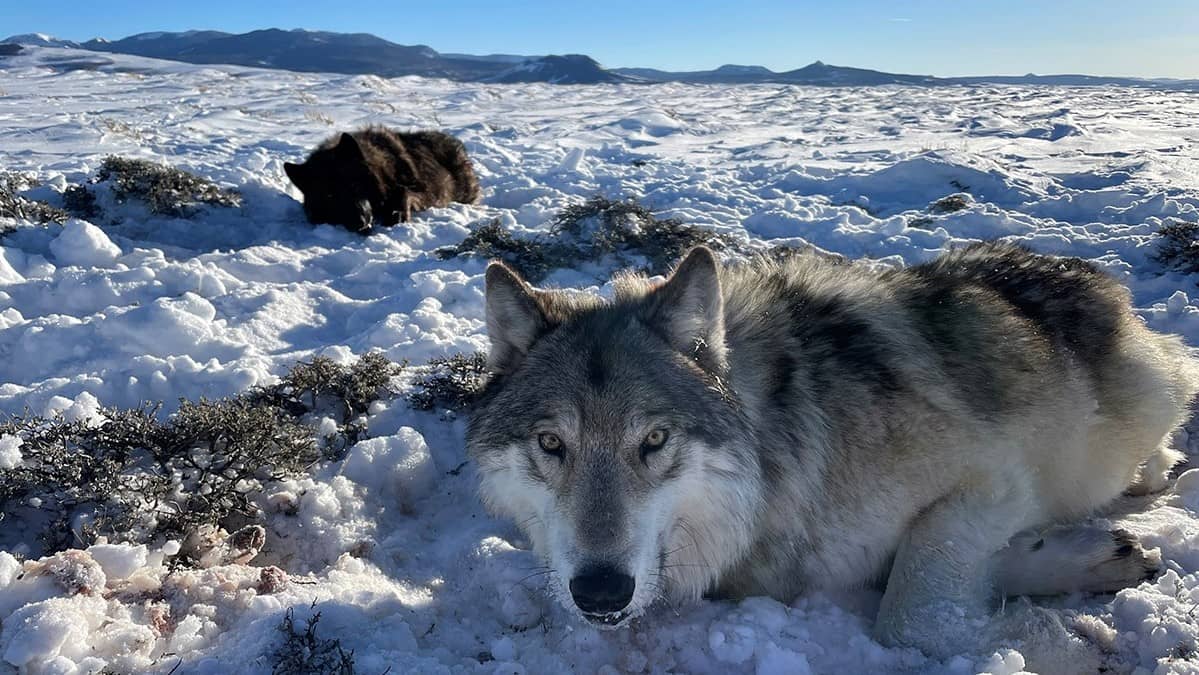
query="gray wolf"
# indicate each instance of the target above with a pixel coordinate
(782, 426)
(377, 174)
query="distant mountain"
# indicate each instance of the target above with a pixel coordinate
(362, 53)
(498, 58)
(568, 69)
(816, 74)
(351, 53)
(726, 74)
(836, 76)
(10, 49)
(40, 40)
(300, 50)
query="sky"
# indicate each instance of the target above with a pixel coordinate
(1149, 38)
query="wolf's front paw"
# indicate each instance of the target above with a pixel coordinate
(1128, 565)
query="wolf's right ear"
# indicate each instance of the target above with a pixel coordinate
(514, 319)
(297, 173)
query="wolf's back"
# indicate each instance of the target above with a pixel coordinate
(1071, 301)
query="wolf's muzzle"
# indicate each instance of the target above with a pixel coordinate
(602, 590)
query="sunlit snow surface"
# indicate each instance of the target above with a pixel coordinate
(157, 309)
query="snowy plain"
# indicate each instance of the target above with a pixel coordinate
(149, 308)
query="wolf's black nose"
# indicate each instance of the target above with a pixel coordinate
(602, 590)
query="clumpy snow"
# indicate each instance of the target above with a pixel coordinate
(389, 544)
(83, 245)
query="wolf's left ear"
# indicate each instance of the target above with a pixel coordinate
(514, 318)
(689, 307)
(347, 146)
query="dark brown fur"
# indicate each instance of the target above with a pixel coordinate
(376, 174)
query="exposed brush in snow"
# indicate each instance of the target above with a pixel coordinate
(303, 653)
(1178, 248)
(450, 383)
(590, 232)
(533, 257)
(601, 227)
(14, 205)
(80, 202)
(951, 203)
(163, 189)
(124, 475)
(323, 385)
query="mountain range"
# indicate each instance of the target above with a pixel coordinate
(363, 53)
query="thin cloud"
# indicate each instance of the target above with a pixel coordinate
(900, 20)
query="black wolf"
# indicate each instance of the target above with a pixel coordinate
(376, 174)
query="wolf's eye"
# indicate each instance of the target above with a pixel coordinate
(550, 443)
(653, 441)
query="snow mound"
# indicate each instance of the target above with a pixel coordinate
(84, 245)
(916, 182)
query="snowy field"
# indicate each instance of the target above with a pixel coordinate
(390, 545)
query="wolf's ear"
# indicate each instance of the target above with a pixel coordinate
(689, 308)
(297, 173)
(348, 148)
(514, 319)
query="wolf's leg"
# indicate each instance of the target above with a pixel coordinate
(399, 209)
(1072, 558)
(1154, 474)
(938, 594)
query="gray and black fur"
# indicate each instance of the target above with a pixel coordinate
(828, 426)
(376, 174)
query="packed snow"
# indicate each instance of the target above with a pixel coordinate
(390, 544)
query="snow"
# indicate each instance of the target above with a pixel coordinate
(390, 544)
(119, 561)
(10, 452)
(84, 245)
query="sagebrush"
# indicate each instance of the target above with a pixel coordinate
(164, 190)
(449, 383)
(17, 206)
(303, 653)
(1178, 246)
(130, 477)
(600, 228)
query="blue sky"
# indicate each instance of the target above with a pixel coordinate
(1155, 38)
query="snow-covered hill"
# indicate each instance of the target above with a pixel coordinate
(390, 544)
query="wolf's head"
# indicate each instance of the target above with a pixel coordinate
(610, 435)
(338, 185)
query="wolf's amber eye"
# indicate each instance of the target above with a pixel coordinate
(653, 441)
(550, 443)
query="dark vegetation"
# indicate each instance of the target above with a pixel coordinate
(1178, 246)
(450, 383)
(950, 204)
(80, 202)
(15, 205)
(303, 653)
(163, 189)
(590, 232)
(344, 392)
(133, 478)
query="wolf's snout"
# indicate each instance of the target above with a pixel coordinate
(602, 590)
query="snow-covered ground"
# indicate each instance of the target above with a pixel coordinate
(390, 545)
